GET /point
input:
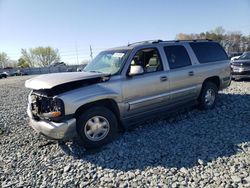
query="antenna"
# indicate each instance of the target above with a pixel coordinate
(91, 52)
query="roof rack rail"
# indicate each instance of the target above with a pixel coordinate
(159, 41)
(145, 42)
(202, 40)
(192, 40)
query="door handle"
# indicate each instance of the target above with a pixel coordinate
(164, 78)
(190, 73)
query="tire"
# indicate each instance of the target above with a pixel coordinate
(208, 96)
(87, 127)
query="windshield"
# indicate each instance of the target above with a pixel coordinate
(245, 55)
(109, 62)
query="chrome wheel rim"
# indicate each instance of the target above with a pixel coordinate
(96, 128)
(210, 97)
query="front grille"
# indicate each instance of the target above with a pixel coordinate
(43, 104)
(241, 64)
(241, 73)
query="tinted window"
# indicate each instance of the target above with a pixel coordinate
(208, 51)
(177, 56)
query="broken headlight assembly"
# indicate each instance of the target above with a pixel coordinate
(43, 107)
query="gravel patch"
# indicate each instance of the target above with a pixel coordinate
(190, 149)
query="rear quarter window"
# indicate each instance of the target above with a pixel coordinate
(207, 52)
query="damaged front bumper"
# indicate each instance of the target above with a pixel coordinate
(54, 130)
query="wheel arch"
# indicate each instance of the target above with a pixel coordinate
(213, 79)
(107, 103)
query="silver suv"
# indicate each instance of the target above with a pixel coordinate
(126, 84)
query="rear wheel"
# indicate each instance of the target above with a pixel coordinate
(208, 96)
(96, 127)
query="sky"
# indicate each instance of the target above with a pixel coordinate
(72, 26)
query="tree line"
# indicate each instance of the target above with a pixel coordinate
(33, 57)
(231, 41)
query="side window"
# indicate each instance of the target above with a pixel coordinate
(149, 59)
(177, 56)
(208, 51)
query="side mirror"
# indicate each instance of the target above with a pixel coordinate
(136, 70)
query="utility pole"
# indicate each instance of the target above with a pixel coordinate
(91, 52)
(76, 53)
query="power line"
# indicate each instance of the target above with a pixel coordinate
(70, 52)
(76, 53)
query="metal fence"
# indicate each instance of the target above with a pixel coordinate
(41, 70)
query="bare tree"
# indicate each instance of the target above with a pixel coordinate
(231, 41)
(46, 56)
(28, 57)
(40, 56)
(219, 31)
(183, 36)
(3, 59)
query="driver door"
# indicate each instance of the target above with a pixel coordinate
(149, 90)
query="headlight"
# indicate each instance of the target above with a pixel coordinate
(237, 69)
(52, 114)
(46, 107)
(55, 108)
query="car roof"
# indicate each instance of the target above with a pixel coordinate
(247, 52)
(155, 42)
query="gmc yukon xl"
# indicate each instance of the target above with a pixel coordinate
(126, 84)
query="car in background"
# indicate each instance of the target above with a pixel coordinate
(241, 66)
(234, 58)
(234, 55)
(4, 75)
(58, 64)
(18, 73)
(80, 68)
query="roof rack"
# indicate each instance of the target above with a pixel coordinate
(145, 42)
(194, 40)
(159, 41)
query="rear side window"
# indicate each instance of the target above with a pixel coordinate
(177, 56)
(208, 51)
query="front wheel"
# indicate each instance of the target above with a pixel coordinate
(96, 127)
(208, 96)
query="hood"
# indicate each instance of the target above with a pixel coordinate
(48, 81)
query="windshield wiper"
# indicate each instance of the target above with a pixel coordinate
(108, 74)
(91, 71)
(95, 71)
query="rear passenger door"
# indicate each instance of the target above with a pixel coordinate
(182, 76)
